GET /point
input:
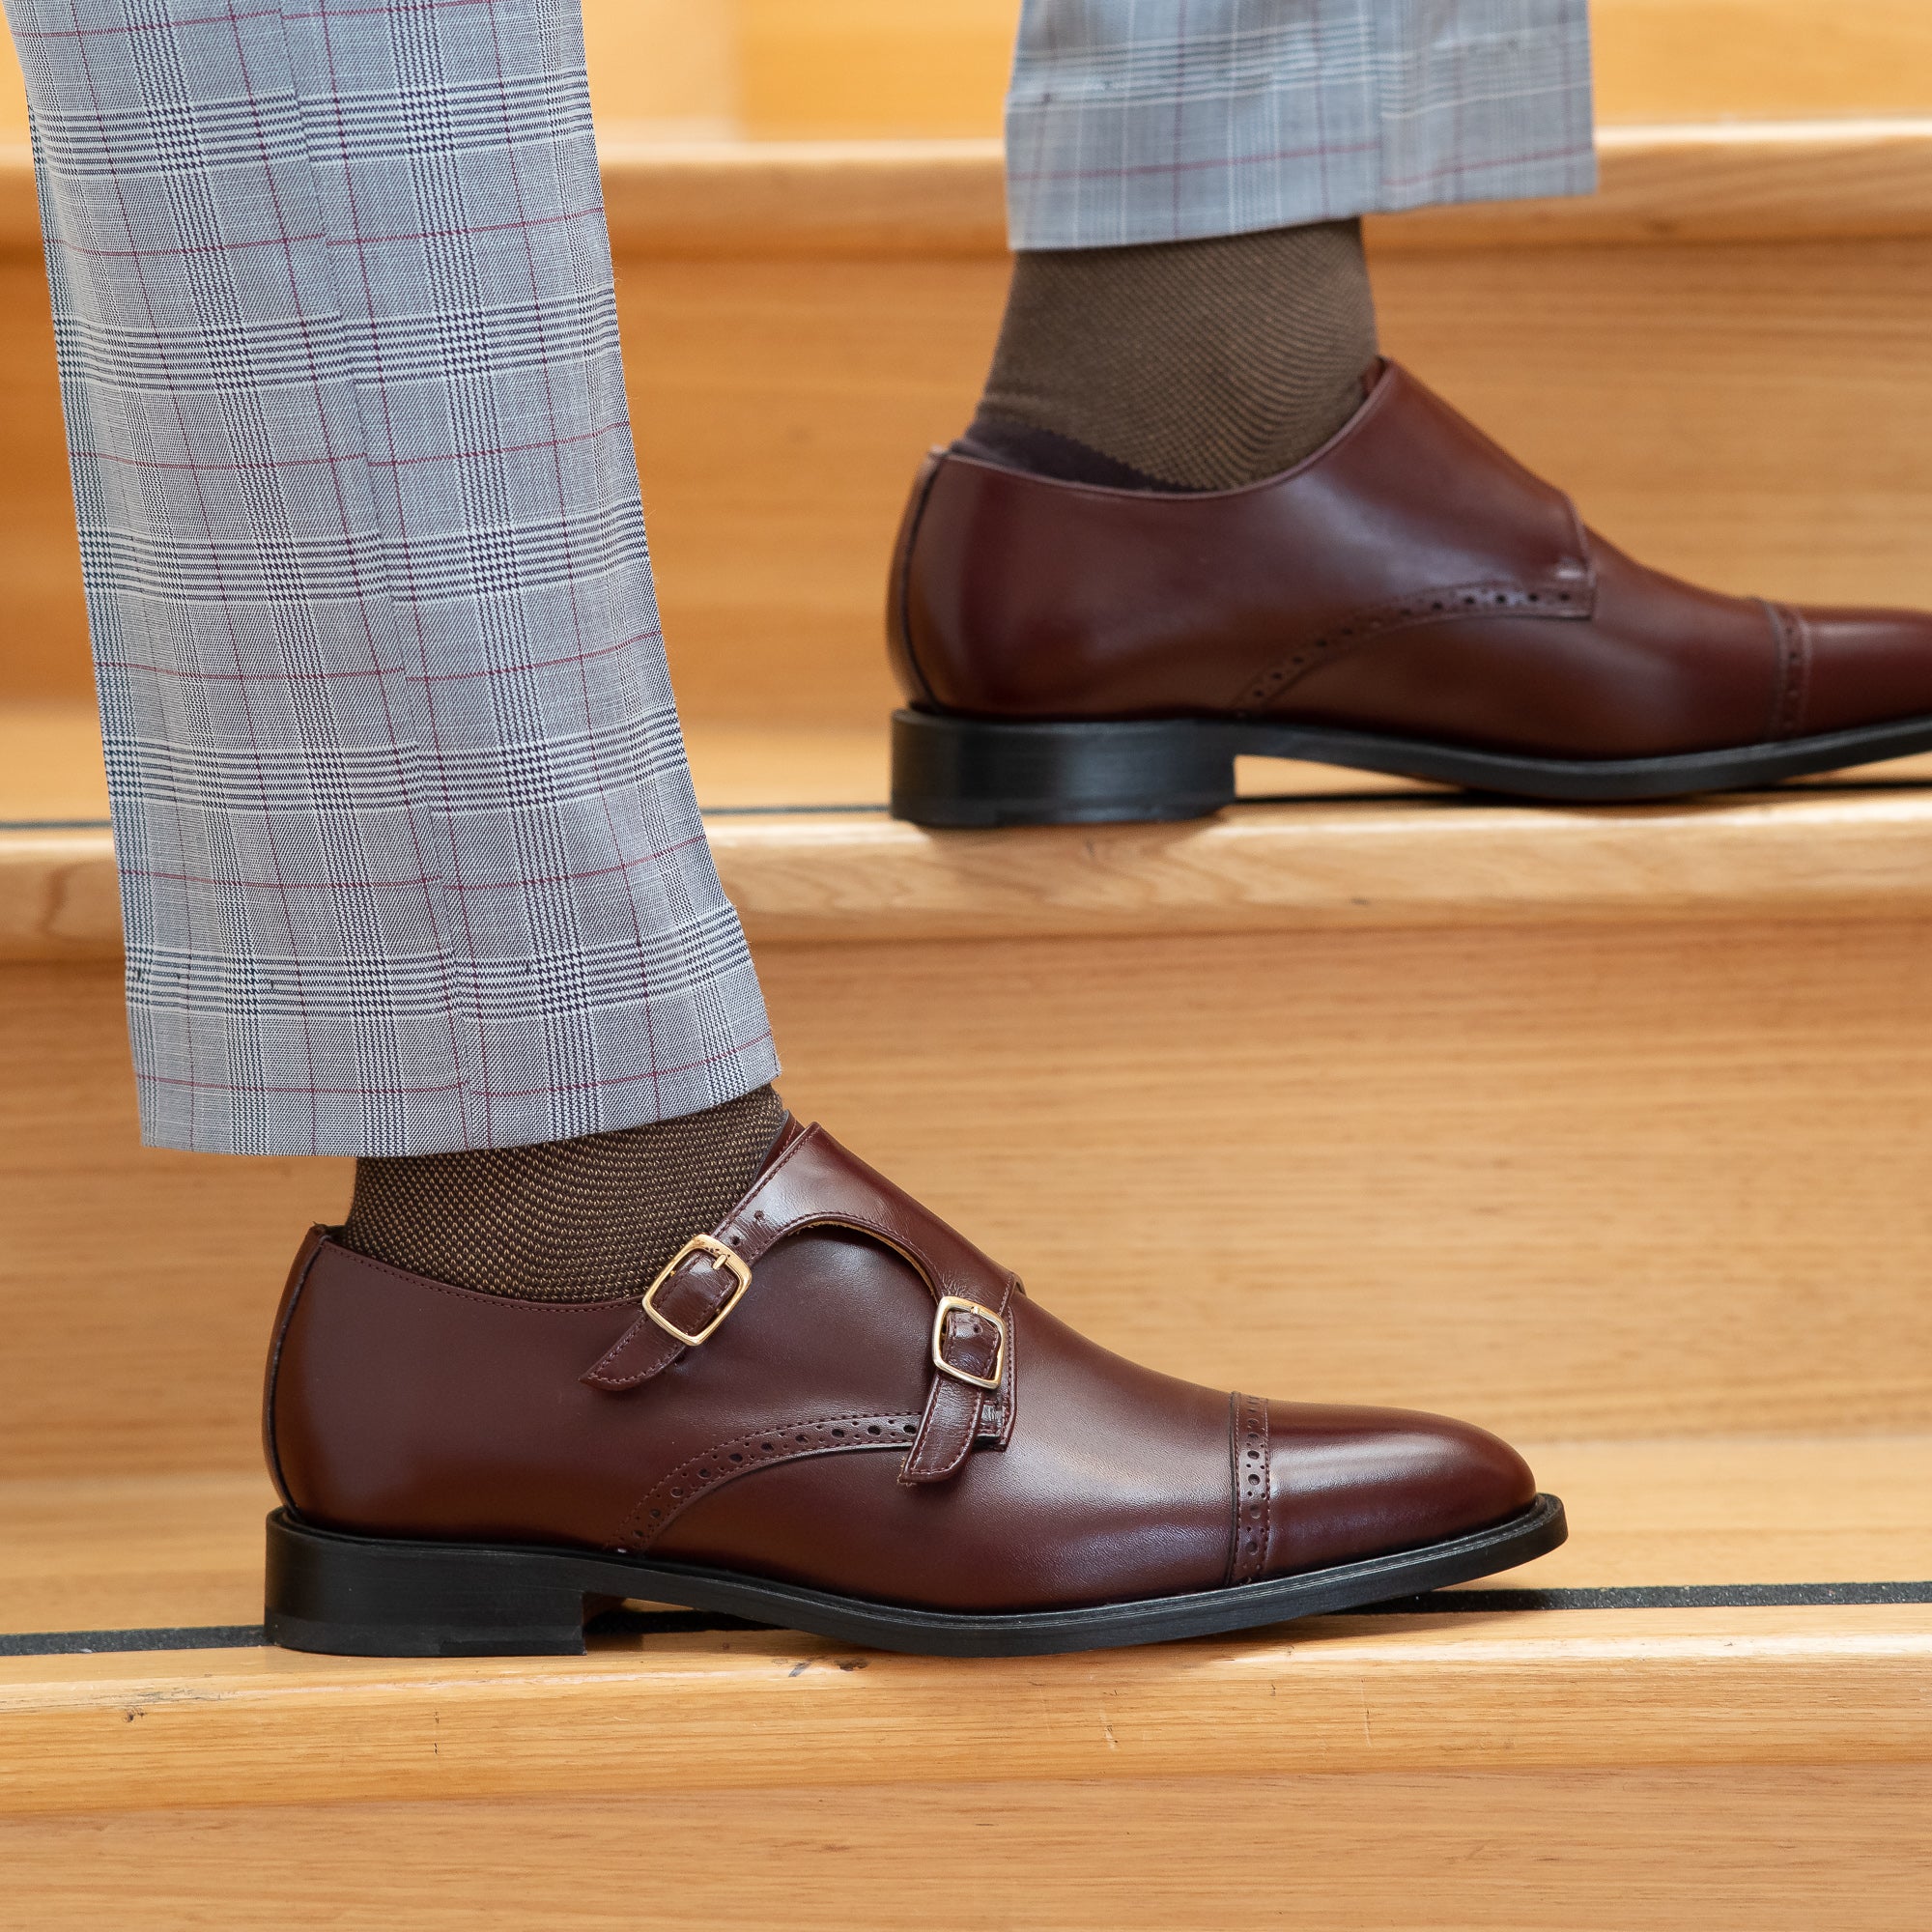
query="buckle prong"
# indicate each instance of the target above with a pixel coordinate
(719, 1257)
(947, 1305)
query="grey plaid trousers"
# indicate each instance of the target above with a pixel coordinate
(1162, 120)
(409, 851)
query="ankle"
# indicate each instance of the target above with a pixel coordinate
(1186, 366)
(578, 1220)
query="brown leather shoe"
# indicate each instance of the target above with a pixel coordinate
(832, 1413)
(1407, 600)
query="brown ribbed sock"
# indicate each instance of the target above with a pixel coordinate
(583, 1220)
(1190, 365)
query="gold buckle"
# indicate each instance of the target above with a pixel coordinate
(719, 1256)
(948, 1303)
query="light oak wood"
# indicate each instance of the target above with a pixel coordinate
(755, 199)
(50, 763)
(133, 1551)
(1547, 1690)
(858, 67)
(855, 67)
(672, 64)
(1703, 182)
(60, 899)
(165, 1553)
(1359, 864)
(874, 67)
(42, 618)
(1776, 1849)
(1657, 60)
(130, 1252)
(1568, 1180)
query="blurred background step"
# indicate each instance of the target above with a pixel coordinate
(805, 210)
(775, 68)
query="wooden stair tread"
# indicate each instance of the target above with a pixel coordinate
(807, 854)
(1841, 1685)
(148, 1552)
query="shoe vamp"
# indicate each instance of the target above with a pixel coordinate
(1115, 1484)
(1658, 667)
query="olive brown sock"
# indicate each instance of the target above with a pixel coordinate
(1182, 365)
(580, 1220)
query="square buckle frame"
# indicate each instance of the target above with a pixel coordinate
(719, 1257)
(946, 1304)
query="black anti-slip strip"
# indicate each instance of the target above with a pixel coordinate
(665, 1623)
(1652, 1597)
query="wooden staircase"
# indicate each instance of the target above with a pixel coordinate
(1607, 1128)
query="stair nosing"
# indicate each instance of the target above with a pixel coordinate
(820, 873)
(1575, 1689)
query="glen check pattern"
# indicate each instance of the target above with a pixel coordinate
(409, 856)
(1162, 120)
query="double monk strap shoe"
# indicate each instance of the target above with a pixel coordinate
(831, 1412)
(1409, 600)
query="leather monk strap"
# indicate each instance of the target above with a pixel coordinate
(814, 1183)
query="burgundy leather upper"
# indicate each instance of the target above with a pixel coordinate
(810, 1437)
(1410, 578)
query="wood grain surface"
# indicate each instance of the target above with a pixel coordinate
(850, 67)
(1774, 1850)
(1552, 1690)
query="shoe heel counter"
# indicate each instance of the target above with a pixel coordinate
(901, 595)
(285, 1310)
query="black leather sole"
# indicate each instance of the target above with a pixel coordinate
(369, 1596)
(955, 770)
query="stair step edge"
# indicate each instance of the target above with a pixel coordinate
(1692, 181)
(1368, 864)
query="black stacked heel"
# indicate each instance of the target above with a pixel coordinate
(359, 1595)
(949, 770)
